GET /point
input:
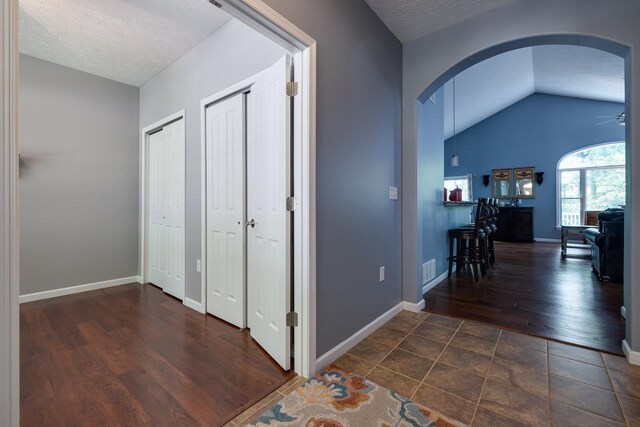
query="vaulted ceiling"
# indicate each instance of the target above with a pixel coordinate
(498, 82)
(129, 41)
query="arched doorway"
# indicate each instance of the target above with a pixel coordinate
(421, 94)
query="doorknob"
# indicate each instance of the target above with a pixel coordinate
(251, 223)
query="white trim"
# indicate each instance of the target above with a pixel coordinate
(143, 184)
(37, 296)
(413, 306)
(432, 284)
(623, 312)
(236, 88)
(545, 240)
(558, 180)
(346, 345)
(9, 218)
(633, 357)
(267, 21)
(195, 305)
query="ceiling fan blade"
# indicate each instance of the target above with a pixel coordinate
(605, 117)
(606, 121)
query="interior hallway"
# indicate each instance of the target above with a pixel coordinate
(132, 355)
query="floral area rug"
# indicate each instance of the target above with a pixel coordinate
(335, 398)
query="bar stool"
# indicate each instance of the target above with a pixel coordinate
(470, 243)
(492, 204)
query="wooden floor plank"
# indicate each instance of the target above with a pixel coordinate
(532, 289)
(131, 355)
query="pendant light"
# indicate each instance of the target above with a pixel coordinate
(455, 159)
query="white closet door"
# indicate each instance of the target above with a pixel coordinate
(225, 139)
(166, 208)
(268, 185)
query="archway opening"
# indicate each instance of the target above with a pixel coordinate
(433, 219)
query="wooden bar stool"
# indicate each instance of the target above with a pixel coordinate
(470, 244)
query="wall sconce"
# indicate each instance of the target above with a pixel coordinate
(539, 177)
(485, 180)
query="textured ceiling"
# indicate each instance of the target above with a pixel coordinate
(129, 41)
(579, 71)
(498, 82)
(412, 19)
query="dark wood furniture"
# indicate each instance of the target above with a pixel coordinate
(514, 224)
(591, 217)
(471, 243)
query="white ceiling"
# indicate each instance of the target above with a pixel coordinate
(411, 19)
(129, 41)
(498, 82)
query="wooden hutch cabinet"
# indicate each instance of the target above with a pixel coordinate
(515, 224)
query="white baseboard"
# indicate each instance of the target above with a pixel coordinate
(414, 307)
(633, 357)
(623, 312)
(346, 345)
(77, 289)
(545, 240)
(432, 284)
(139, 280)
(195, 305)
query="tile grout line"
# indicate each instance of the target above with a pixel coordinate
(588, 385)
(486, 377)
(615, 392)
(396, 346)
(437, 359)
(426, 357)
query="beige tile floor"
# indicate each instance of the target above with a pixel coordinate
(484, 376)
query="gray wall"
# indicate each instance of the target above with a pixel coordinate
(430, 61)
(358, 157)
(78, 137)
(230, 55)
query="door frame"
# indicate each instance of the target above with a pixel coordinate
(144, 189)
(9, 217)
(259, 16)
(302, 48)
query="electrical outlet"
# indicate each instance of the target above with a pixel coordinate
(382, 274)
(393, 193)
(199, 266)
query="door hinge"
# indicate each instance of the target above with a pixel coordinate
(292, 88)
(292, 204)
(292, 318)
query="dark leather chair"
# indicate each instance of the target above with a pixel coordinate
(607, 245)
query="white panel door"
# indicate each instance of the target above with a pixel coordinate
(166, 184)
(225, 190)
(268, 185)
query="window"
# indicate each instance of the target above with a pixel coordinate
(591, 179)
(461, 182)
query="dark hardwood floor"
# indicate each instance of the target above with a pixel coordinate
(131, 355)
(532, 290)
